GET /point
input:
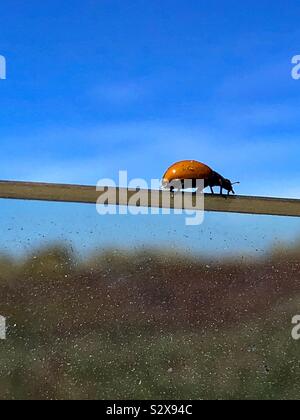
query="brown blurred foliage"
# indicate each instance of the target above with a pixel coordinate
(163, 310)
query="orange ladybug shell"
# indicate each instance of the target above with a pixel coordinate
(187, 169)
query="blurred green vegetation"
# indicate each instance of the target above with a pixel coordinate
(149, 325)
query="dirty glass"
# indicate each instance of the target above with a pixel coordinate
(144, 307)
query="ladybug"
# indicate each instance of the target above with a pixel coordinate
(193, 170)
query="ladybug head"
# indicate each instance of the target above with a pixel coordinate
(228, 185)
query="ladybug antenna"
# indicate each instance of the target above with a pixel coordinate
(234, 183)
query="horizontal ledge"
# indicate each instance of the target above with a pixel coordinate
(122, 196)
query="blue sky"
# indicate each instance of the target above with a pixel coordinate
(95, 87)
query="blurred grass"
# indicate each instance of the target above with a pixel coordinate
(149, 325)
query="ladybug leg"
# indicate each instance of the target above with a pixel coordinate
(212, 190)
(221, 191)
